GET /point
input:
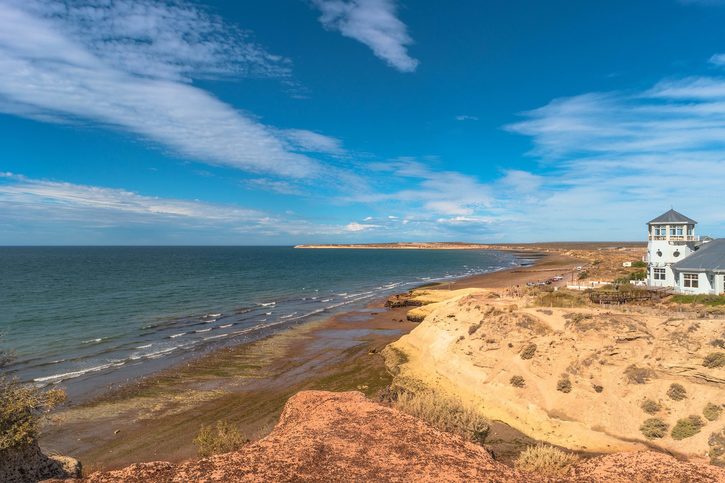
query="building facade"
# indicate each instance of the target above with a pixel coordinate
(678, 259)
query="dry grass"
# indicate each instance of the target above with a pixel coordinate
(444, 413)
(714, 360)
(677, 392)
(546, 461)
(687, 427)
(218, 439)
(651, 407)
(528, 351)
(712, 411)
(638, 375)
(564, 385)
(20, 410)
(654, 428)
(517, 381)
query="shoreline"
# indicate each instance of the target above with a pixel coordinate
(248, 384)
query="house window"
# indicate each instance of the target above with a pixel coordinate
(657, 231)
(691, 280)
(678, 231)
(658, 273)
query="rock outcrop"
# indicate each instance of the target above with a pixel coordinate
(324, 436)
(30, 464)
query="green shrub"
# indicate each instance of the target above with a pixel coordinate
(517, 381)
(546, 461)
(20, 409)
(651, 407)
(714, 360)
(583, 275)
(564, 385)
(220, 438)
(711, 300)
(528, 351)
(677, 392)
(654, 428)
(687, 427)
(712, 411)
(597, 388)
(639, 264)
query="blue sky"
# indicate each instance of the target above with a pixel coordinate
(295, 121)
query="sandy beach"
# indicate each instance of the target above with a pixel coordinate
(158, 417)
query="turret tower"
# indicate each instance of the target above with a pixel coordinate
(671, 238)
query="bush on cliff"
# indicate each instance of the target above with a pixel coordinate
(712, 411)
(714, 360)
(517, 381)
(564, 385)
(21, 407)
(654, 428)
(677, 392)
(528, 351)
(687, 427)
(444, 413)
(651, 407)
(546, 461)
(221, 438)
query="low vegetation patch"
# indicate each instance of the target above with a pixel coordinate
(561, 298)
(597, 388)
(217, 439)
(677, 392)
(687, 427)
(20, 409)
(528, 351)
(638, 375)
(714, 360)
(517, 381)
(709, 300)
(651, 407)
(654, 428)
(712, 411)
(444, 413)
(564, 385)
(546, 460)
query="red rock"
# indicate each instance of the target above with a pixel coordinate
(324, 436)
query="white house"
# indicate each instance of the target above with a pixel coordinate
(677, 258)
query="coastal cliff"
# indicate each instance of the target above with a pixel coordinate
(583, 378)
(324, 436)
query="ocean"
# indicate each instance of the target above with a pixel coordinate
(87, 318)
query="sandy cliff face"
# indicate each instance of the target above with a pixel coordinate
(613, 360)
(324, 436)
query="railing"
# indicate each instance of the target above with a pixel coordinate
(674, 238)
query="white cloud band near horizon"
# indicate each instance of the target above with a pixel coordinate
(128, 65)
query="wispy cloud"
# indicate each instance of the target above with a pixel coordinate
(465, 117)
(375, 24)
(46, 211)
(129, 64)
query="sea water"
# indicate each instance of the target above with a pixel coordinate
(85, 318)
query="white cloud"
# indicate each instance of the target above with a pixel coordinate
(128, 65)
(441, 192)
(464, 117)
(313, 142)
(375, 24)
(355, 226)
(25, 198)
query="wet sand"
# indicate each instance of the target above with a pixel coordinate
(158, 417)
